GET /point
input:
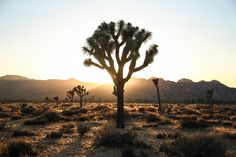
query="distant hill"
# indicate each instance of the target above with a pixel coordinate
(13, 77)
(185, 90)
(29, 89)
(137, 89)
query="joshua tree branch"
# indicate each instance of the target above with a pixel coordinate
(89, 62)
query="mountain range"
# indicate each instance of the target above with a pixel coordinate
(13, 87)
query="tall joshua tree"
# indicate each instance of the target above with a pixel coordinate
(70, 95)
(209, 95)
(156, 83)
(81, 91)
(115, 46)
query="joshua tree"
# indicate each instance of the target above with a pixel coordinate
(56, 99)
(47, 99)
(70, 95)
(209, 95)
(116, 48)
(81, 91)
(156, 82)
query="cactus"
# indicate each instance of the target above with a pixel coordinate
(209, 96)
(155, 82)
(70, 95)
(81, 91)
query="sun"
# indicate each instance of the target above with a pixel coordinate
(94, 75)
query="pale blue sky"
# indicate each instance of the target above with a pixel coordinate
(42, 39)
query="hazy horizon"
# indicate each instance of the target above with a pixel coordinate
(43, 39)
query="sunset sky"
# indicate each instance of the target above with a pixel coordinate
(42, 39)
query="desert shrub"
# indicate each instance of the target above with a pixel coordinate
(18, 148)
(162, 135)
(27, 110)
(4, 114)
(152, 118)
(112, 137)
(230, 136)
(109, 136)
(213, 122)
(168, 147)
(200, 146)
(165, 122)
(151, 109)
(45, 118)
(55, 134)
(74, 111)
(101, 108)
(52, 116)
(67, 128)
(83, 118)
(141, 109)
(17, 133)
(35, 121)
(2, 125)
(128, 151)
(143, 153)
(227, 123)
(15, 117)
(23, 105)
(110, 115)
(190, 124)
(83, 129)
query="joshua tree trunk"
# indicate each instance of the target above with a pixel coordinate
(120, 106)
(159, 100)
(81, 102)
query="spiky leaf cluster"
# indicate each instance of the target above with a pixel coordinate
(155, 81)
(118, 43)
(70, 94)
(80, 90)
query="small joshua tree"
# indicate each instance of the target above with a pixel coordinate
(81, 91)
(56, 99)
(47, 99)
(155, 82)
(70, 95)
(209, 95)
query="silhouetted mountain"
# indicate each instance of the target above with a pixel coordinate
(184, 90)
(137, 89)
(13, 77)
(12, 89)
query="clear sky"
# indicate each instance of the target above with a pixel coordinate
(42, 39)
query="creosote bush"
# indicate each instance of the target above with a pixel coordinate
(199, 145)
(152, 118)
(17, 133)
(82, 129)
(194, 124)
(2, 125)
(109, 136)
(55, 134)
(67, 128)
(45, 118)
(27, 110)
(17, 148)
(128, 151)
